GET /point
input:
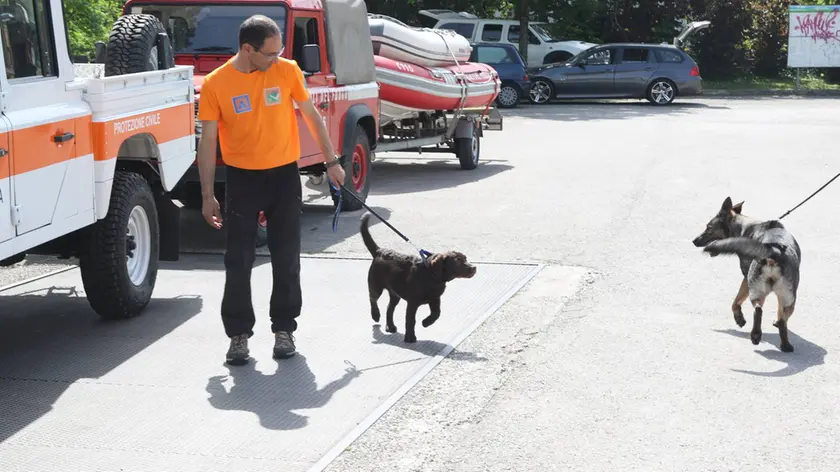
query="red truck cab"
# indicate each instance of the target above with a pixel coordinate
(330, 41)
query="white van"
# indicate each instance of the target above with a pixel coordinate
(543, 48)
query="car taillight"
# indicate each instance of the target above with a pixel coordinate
(695, 71)
(525, 77)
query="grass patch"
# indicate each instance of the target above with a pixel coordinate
(781, 83)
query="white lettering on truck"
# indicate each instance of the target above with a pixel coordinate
(134, 124)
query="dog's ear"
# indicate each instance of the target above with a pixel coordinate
(737, 208)
(726, 207)
(438, 265)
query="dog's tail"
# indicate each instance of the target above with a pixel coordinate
(745, 247)
(366, 237)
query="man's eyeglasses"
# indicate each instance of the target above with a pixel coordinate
(270, 55)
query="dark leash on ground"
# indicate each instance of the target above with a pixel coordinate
(424, 254)
(812, 195)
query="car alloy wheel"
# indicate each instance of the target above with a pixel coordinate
(540, 92)
(508, 96)
(662, 93)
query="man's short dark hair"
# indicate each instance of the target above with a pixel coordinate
(256, 29)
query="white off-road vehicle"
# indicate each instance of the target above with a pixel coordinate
(543, 47)
(88, 152)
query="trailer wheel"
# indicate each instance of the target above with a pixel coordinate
(357, 171)
(468, 150)
(132, 45)
(119, 262)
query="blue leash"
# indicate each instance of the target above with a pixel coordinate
(424, 254)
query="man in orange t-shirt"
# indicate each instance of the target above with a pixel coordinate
(247, 104)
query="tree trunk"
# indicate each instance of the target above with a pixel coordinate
(524, 9)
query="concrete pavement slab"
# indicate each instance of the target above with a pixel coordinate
(153, 393)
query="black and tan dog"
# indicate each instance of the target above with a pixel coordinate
(409, 278)
(769, 258)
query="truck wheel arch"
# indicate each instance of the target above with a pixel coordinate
(140, 154)
(358, 114)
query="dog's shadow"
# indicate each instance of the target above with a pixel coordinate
(805, 356)
(423, 346)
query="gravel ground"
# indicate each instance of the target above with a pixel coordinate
(32, 266)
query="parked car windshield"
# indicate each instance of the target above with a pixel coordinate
(580, 55)
(208, 29)
(544, 34)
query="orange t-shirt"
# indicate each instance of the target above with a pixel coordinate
(258, 126)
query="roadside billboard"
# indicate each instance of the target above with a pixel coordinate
(814, 36)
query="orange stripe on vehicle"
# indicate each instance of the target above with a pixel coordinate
(33, 148)
(84, 136)
(5, 161)
(164, 125)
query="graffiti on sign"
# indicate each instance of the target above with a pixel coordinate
(814, 36)
(819, 26)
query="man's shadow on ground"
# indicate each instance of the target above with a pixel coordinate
(273, 396)
(806, 354)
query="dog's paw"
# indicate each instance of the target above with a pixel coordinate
(429, 321)
(375, 317)
(711, 252)
(739, 320)
(755, 337)
(410, 338)
(391, 329)
(787, 347)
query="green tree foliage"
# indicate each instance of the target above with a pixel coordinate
(747, 37)
(89, 21)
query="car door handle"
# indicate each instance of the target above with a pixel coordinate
(60, 138)
(648, 69)
(4, 152)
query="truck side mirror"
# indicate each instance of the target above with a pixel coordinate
(311, 59)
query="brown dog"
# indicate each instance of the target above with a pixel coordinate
(408, 278)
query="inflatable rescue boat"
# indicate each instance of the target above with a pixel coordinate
(424, 46)
(466, 85)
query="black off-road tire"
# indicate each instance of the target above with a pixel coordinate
(132, 45)
(361, 141)
(103, 259)
(468, 150)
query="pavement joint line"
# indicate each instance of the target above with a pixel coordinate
(533, 263)
(383, 407)
(37, 278)
(303, 256)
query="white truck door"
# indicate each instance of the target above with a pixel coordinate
(7, 229)
(50, 155)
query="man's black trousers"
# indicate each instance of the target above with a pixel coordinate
(277, 192)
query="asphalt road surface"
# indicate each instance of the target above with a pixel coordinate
(621, 354)
(644, 368)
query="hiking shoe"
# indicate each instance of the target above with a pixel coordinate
(284, 345)
(238, 352)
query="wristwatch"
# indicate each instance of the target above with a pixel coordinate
(334, 162)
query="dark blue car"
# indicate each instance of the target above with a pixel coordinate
(512, 71)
